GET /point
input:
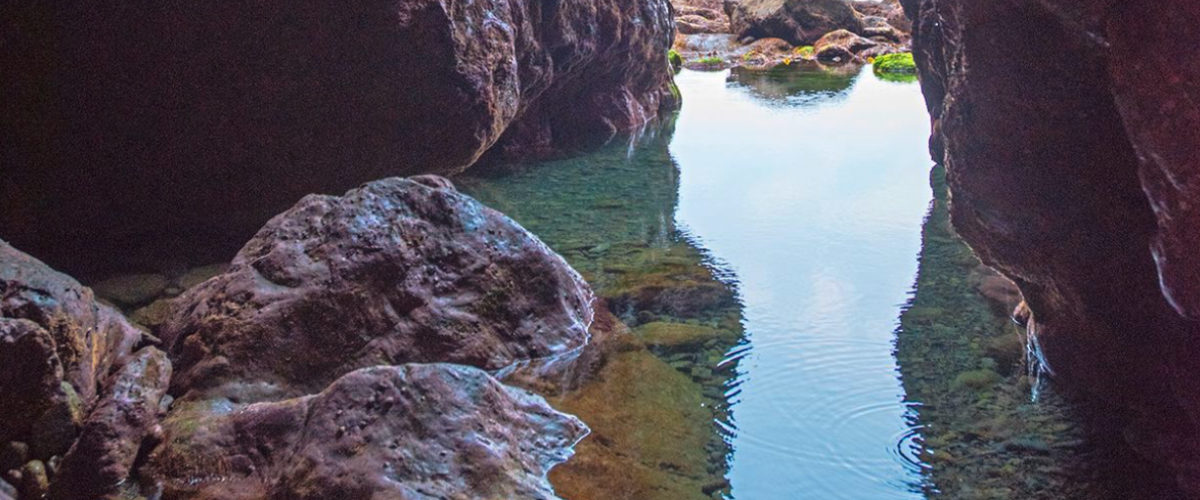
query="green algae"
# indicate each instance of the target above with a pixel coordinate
(895, 63)
(655, 401)
(983, 435)
(675, 60)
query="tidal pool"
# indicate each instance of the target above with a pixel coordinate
(775, 249)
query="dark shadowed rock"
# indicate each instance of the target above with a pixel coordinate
(398, 270)
(183, 127)
(115, 431)
(57, 344)
(1070, 133)
(412, 431)
(800, 22)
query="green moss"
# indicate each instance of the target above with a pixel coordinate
(895, 63)
(669, 335)
(675, 59)
(805, 51)
(711, 61)
(977, 380)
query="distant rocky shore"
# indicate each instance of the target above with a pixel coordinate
(768, 33)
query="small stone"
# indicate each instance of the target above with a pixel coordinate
(131, 290)
(200, 275)
(976, 380)
(7, 491)
(55, 431)
(153, 315)
(34, 482)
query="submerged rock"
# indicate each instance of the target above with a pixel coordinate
(800, 22)
(396, 271)
(197, 121)
(409, 431)
(1070, 140)
(131, 290)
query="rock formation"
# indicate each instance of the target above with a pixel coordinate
(1070, 131)
(190, 123)
(409, 431)
(72, 428)
(299, 370)
(799, 22)
(396, 271)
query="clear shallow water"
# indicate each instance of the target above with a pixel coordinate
(812, 191)
(803, 322)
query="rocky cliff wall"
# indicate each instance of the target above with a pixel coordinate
(185, 125)
(1070, 131)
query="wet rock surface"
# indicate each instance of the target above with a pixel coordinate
(79, 401)
(800, 22)
(399, 270)
(115, 432)
(1075, 177)
(174, 118)
(408, 431)
(58, 345)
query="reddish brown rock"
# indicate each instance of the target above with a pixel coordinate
(396, 271)
(140, 134)
(800, 22)
(1070, 132)
(410, 431)
(890, 10)
(842, 47)
(115, 431)
(57, 344)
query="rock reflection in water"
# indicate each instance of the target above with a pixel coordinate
(980, 433)
(652, 385)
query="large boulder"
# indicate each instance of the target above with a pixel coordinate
(800, 22)
(188, 124)
(413, 431)
(1070, 133)
(396, 271)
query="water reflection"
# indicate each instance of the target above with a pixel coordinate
(761, 248)
(655, 396)
(809, 185)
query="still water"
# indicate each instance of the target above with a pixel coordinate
(811, 190)
(803, 323)
(804, 193)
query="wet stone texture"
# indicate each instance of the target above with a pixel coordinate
(988, 424)
(1069, 132)
(399, 270)
(82, 387)
(419, 431)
